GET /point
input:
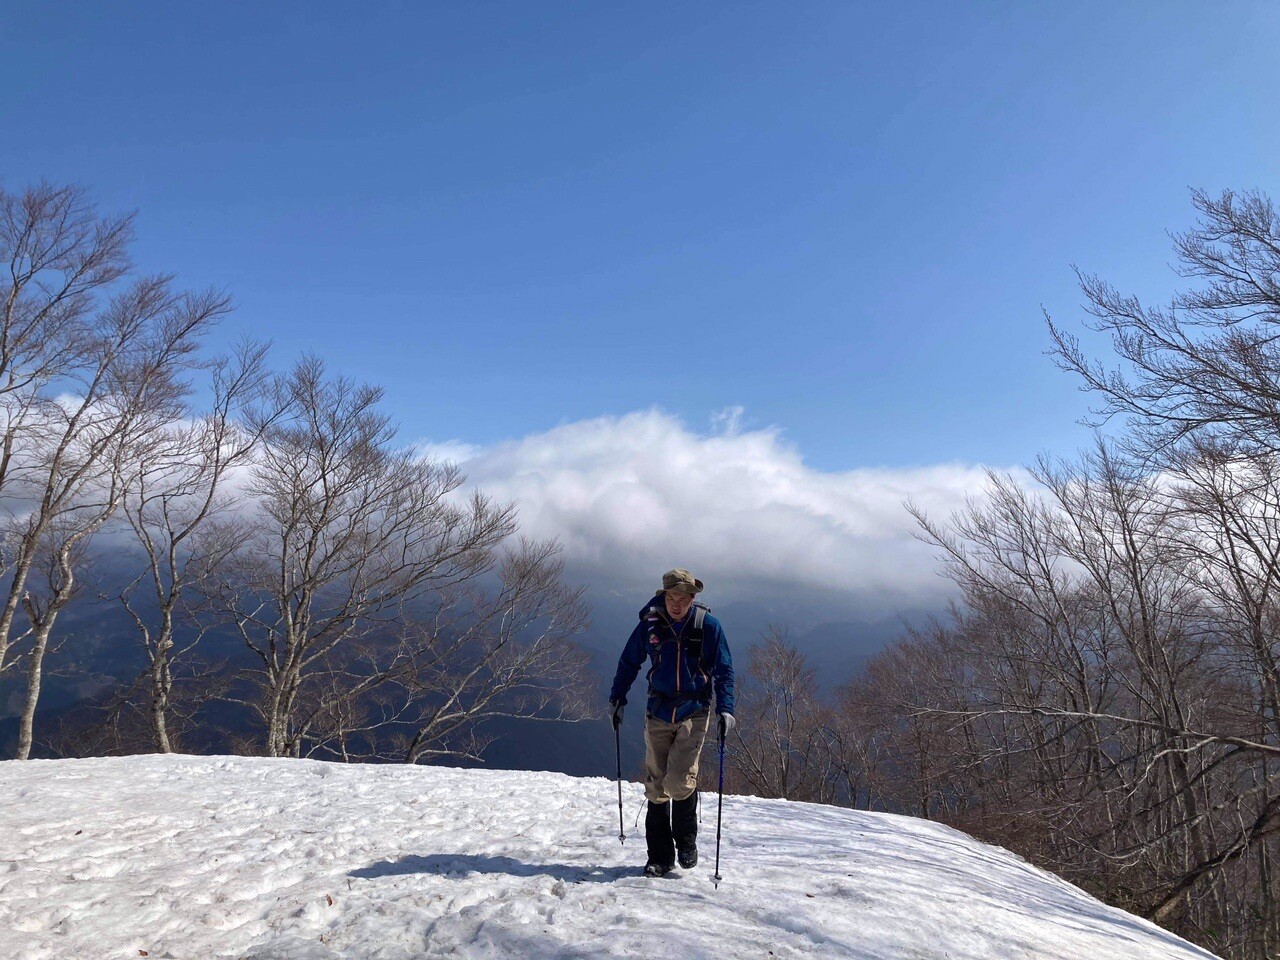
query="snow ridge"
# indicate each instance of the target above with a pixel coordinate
(229, 857)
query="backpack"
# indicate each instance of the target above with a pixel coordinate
(693, 639)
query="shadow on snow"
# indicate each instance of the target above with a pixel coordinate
(461, 864)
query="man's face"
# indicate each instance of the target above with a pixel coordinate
(678, 603)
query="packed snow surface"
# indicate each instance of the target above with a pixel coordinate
(204, 857)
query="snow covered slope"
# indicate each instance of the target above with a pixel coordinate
(186, 857)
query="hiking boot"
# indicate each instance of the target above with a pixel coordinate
(684, 829)
(657, 869)
(657, 835)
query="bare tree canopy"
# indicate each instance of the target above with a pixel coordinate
(184, 512)
(790, 744)
(1103, 698)
(92, 372)
(383, 611)
(351, 541)
(1103, 695)
(1206, 364)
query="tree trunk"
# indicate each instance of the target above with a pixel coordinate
(16, 587)
(35, 674)
(162, 684)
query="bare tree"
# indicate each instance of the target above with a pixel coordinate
(787, 747)
(425, 688)
(81, 418)
(348, 532)
(1197, 383)
(1205, 364)
(181, 508)
(60, 258)
(862, 733)
(1115, 678)
(503, 650)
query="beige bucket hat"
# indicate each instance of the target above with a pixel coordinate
(680, 580)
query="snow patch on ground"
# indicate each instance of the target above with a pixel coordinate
(229, 857)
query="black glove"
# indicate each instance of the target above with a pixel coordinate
(727, 723)
(615, 712)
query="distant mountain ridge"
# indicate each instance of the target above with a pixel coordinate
(98, 648)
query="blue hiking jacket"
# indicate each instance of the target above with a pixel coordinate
(679, 683)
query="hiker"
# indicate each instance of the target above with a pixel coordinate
(691, 660)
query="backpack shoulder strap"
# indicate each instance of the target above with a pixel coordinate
(694, 636)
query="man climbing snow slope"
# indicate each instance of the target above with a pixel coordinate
(691, 661)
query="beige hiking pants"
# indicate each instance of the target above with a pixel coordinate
(671, 755)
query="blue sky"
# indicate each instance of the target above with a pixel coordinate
(844, 218)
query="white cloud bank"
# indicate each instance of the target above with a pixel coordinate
(631, 496)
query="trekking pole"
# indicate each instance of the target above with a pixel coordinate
(617, 742)
(715, 880)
